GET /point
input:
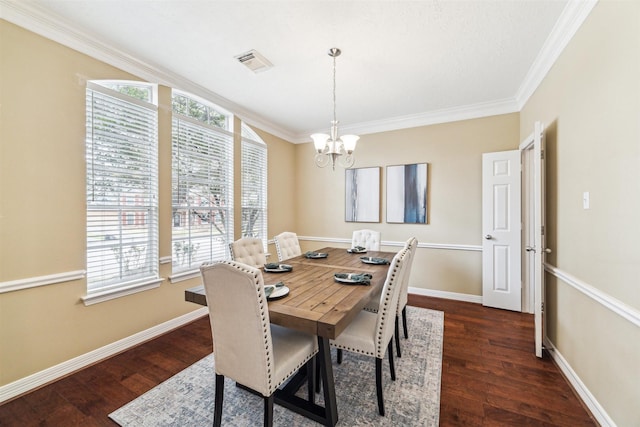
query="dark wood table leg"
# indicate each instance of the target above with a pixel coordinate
(328, 386)
(327, 415)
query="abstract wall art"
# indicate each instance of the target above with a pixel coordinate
(362, 195)
(407, 193)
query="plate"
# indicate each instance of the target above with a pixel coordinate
(282, 268)
(372, 260)
(349, 281)
(279, 293)
(353, 279)
(317, 255)
(357, 251)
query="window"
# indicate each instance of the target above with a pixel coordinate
(122, 188)
(254, 186)
(202, 183)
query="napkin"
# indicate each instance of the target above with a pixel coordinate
(362, 278)
(356, 249)
(272, 265)
(311, 254)
(276, 266)
(375, 260)
(268, 289)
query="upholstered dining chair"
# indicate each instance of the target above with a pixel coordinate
(371, 333)
(263, 356)
(369, 239)
(287, 245)
(411, 245)
(248, 250)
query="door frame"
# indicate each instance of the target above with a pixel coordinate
(533, 224)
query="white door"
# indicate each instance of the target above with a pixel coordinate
(501, 229)
(532, 148)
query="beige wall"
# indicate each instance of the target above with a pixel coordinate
(590, 101)
(42, 209)
(454, 154)
(281, 187)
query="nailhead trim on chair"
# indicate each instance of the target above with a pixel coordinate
(272, 386)
(263, 316)
(380, 350)
(292, 371)
(353, 350)
(283, 239)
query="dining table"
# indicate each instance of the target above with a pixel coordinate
(321, 306)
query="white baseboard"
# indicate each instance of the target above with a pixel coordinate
(56, 372)
(589, 399)
(447, 295)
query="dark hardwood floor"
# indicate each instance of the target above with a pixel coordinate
(490, 375)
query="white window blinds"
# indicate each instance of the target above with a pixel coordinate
(202, 193)
(122, 190)
(254, 190)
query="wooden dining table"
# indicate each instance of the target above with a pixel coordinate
(318, 305)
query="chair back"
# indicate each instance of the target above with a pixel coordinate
(389, 302)
(369, 239)
(287, 245)
(248, 250)
(411, 245)
(239, 317)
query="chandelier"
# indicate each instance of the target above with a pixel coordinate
(331, 147)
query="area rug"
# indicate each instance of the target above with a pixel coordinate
(413, 399)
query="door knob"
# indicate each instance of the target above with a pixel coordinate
(488, 237)
(529, 249)
(548, 250)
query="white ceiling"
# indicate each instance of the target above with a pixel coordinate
(403, 62)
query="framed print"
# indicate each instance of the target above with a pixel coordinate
(407, 193)
(362, 195)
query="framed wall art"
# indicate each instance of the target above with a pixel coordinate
(407, 193)
(362, 195)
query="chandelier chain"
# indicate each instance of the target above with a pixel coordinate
(334, 91)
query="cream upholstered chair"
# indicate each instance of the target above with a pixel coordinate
(248, 250)
(369, 239)
(263, 356)
(371, 333)
(287, 245)
(411, 245)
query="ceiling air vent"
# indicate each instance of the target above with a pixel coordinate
(254, 61)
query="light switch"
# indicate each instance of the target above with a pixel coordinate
(585, 200)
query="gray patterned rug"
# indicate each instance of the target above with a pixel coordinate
(186, 399)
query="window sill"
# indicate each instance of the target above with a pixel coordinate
(98, 297)
(184, 275)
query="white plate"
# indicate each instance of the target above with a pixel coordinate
(354, 251)
(318, 255)
(279, 293)
(368, 261)
(343, 280)
(282, 268)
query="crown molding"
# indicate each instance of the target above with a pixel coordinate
(571, 19)
(446, 115)
(35, 19)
